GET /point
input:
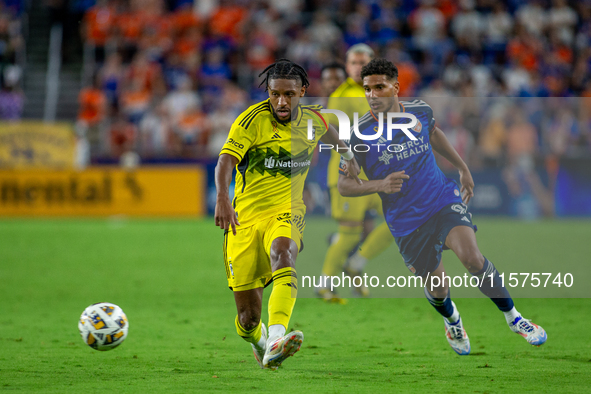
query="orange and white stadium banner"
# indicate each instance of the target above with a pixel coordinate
(104, 191)
(31, 144)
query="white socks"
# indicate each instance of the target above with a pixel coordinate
(453, 319)
(262, 343)
(511, 315)
(275, 331)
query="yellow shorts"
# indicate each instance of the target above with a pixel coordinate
(247, 254)
(353, 208)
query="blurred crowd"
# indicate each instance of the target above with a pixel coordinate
(171, 76)
(11, 45)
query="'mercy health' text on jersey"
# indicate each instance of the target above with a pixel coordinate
(428, 189)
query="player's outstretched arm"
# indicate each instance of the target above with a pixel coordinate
(225, 217)
(389, 185)
(441, 145)
(332, 138)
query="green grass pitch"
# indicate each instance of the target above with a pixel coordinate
(168, 276)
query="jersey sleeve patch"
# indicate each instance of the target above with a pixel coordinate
(231, 152)
(239, 141)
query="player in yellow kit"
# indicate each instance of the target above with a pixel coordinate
(271, 147)
(347, 211)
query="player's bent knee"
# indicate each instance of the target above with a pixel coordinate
(439, 292)
(473, 261)
(282, 258)
(283, 253)
(249, 320)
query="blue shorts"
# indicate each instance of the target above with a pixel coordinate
(422, 248)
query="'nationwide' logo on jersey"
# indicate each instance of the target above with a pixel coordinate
(270, 162)
(282, 163)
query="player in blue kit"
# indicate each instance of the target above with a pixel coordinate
(426, 211)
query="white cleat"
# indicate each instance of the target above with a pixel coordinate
(533, 334)
(282, 348)
(259, 352)
(457, 337)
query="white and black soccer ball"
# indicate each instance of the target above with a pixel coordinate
(103, 326)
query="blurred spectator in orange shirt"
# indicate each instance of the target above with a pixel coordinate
(185, 18)
(123, 136)
(524, 49)
(409, 78)
(188, 44)
(129, 27)
(91, 115)
(193, 131)
(135, 101)
(92, 102)
(157, 36)
(227, 20)
(97, 28)
(148, 74)
(448, 9)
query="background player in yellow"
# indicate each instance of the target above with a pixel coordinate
(348, 212)
(270, 147)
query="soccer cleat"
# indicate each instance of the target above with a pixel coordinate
(282, 348)
(329, 296)
(457, 337)
(357, 291)
(259, 353)
(533, 334)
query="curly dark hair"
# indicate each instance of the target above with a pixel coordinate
(380, 67)
(284, 69)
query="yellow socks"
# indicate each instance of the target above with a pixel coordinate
(337, 253)
(252, 336)
(376, 242)
(283, 296)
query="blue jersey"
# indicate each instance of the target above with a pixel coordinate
(428, 190)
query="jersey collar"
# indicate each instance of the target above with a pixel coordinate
(399, 103)
(352, 82)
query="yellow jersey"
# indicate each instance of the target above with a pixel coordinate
(274, 159)
(349, 88)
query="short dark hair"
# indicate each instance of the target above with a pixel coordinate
(380, 67)
(284, 69)
(337, 65)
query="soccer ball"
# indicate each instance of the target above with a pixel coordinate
(103, 326)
